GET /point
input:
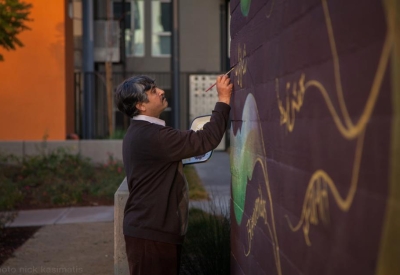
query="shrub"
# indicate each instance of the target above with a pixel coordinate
(59, 178)
(196, 188)
(206, 249)
(7, 201)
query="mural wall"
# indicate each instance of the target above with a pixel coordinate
(315, 138)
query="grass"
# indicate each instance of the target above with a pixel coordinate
(196, 188)
(206, 249)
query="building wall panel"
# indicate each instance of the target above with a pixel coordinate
(33, 78)
(313, 139)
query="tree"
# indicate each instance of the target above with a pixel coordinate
(13, 16)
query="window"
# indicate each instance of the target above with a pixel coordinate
(161, 11)
(133, 16)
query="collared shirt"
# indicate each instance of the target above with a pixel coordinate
(150, 119)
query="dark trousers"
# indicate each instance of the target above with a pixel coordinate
(147, 257)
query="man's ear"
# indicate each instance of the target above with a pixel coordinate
(140, 107)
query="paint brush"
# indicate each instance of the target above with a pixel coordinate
(216, 82)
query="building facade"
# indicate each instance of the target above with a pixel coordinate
(315, 137)
(36, 81)
(135, 36)
(44, 84)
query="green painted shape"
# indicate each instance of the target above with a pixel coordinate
(246, 148)
(245, 6)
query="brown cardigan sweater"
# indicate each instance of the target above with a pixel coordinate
(157, 206)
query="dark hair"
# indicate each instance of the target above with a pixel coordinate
(132, 91)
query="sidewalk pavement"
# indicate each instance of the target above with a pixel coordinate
(215, 175)
(81, 248)
(63, 216)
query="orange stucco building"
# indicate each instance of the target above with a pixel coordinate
(36, 81)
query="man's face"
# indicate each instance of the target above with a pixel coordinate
(157, 103)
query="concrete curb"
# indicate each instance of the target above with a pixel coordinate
(63, 216)
(98, 151)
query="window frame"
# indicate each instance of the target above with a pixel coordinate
(132, 20)
(163, 33)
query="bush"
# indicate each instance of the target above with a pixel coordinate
(58, 178)
(196, 188)
(206, 249)
(11, 194)
(118, 134)
(7, 201)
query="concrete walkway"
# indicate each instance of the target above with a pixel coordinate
(63, 216)
(215, 175)
(80, 248)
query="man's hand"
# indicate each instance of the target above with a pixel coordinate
(224, 89)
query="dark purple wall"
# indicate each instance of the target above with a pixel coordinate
(311, 135)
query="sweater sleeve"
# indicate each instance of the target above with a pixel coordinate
(177, 145)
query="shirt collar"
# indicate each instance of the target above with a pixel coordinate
(150, 119)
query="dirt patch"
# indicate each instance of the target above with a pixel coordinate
(12, 238)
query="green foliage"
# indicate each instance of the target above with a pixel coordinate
(108, 178)
(11, 196)
(59, 178)
(206, 249)
(118, 134)
(196, 188)
(13, 15)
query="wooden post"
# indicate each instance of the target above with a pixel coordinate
(108, 67)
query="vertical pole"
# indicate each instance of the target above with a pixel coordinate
(123, 49)
(108, 67)
(175, 64)
(88, 69)
(224, 37)
(122, 41)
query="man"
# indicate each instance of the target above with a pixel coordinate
(156, 213)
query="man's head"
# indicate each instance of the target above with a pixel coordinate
(139, 95)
